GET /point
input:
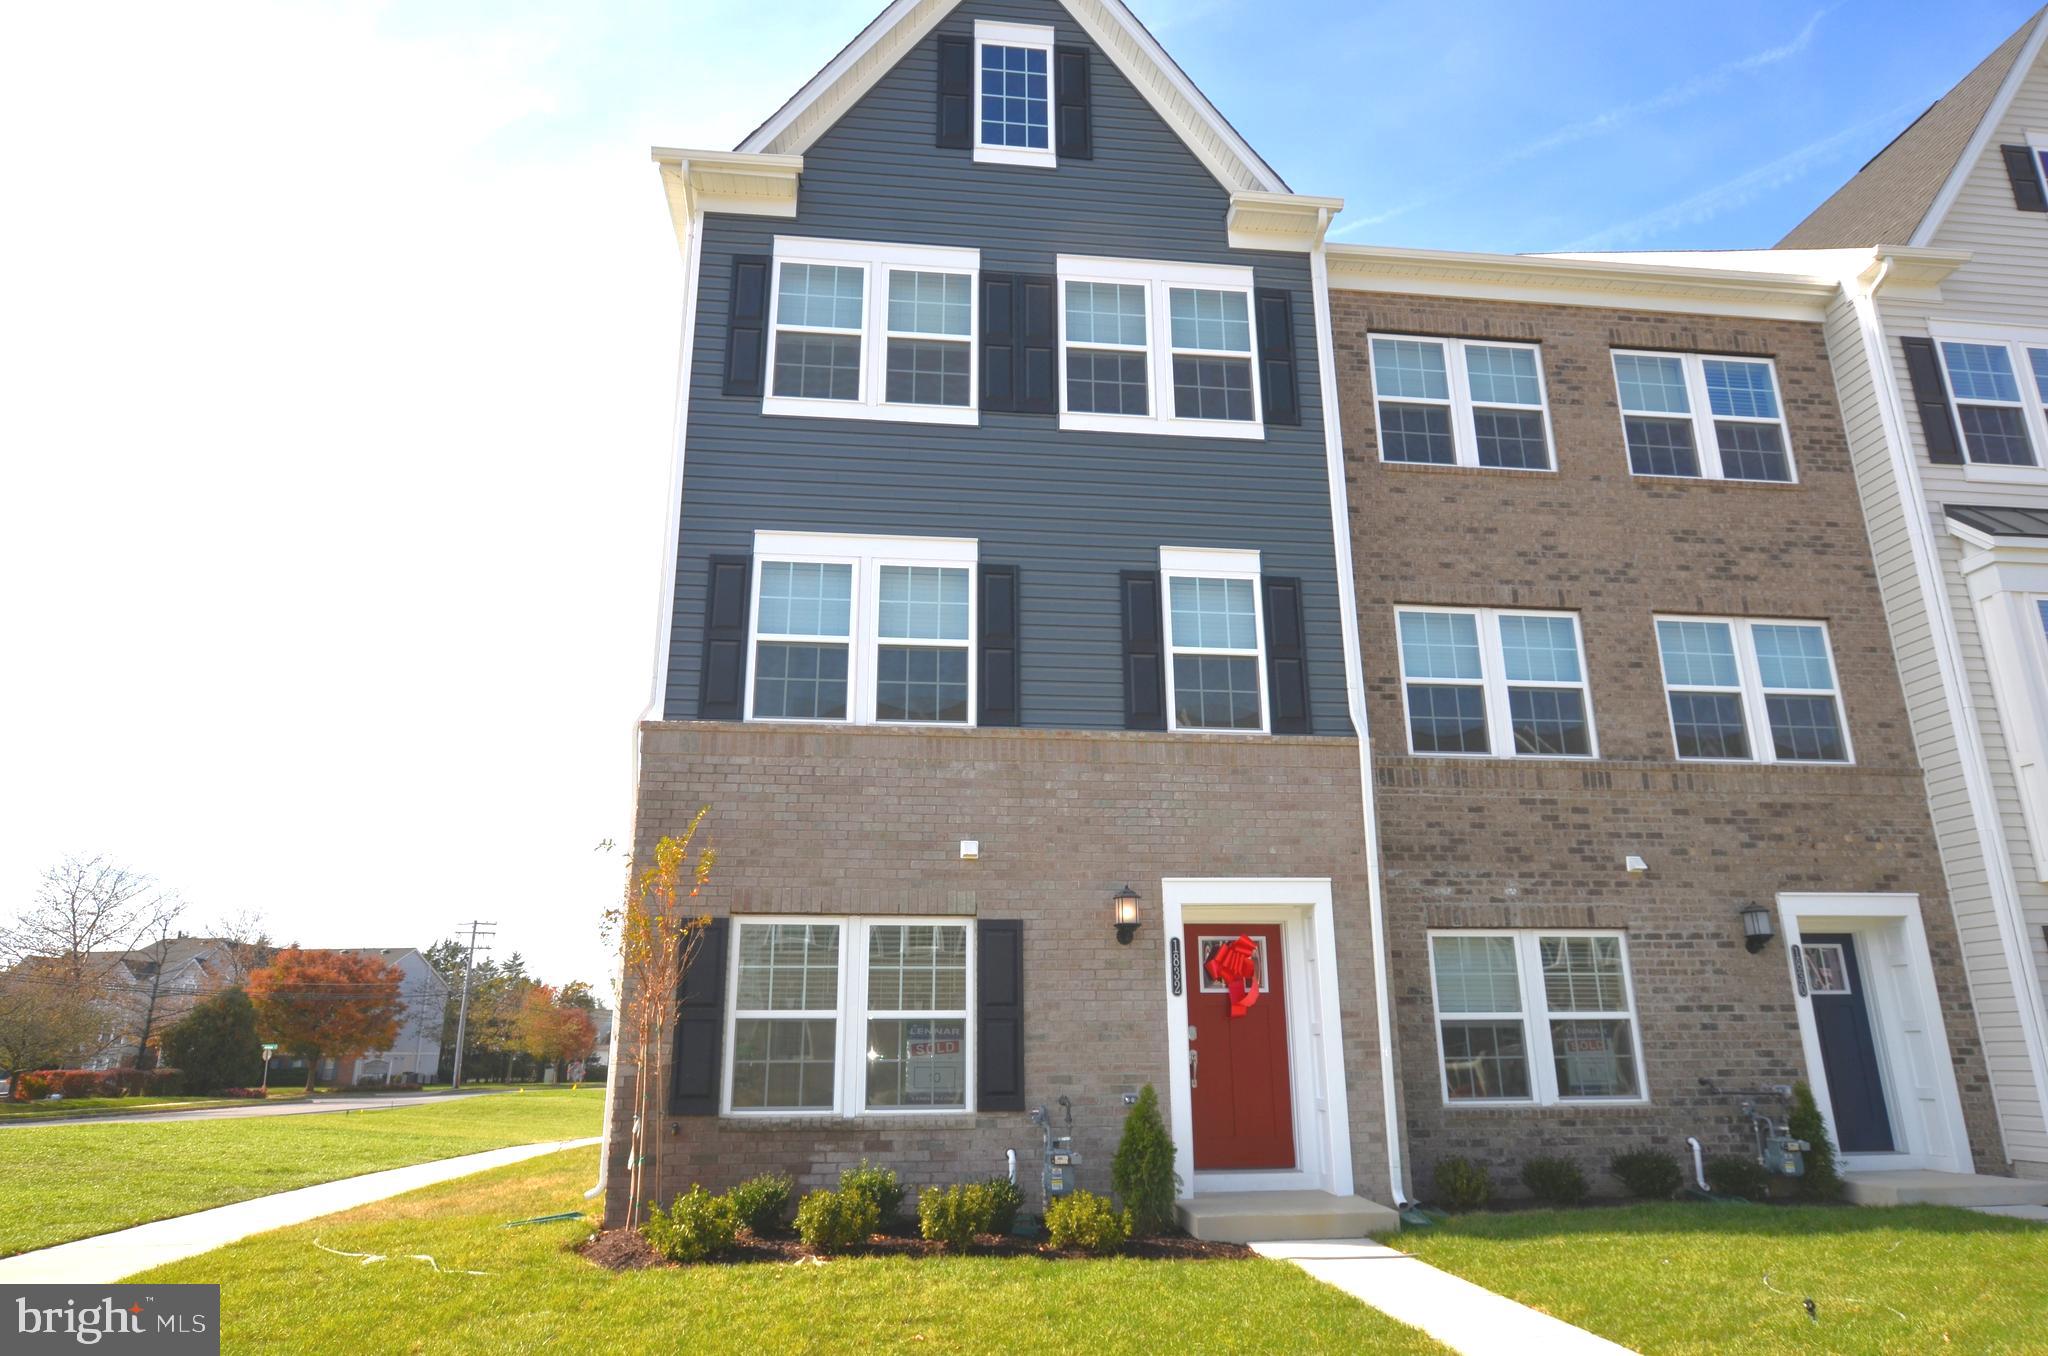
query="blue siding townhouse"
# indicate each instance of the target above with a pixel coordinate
(1007, 632)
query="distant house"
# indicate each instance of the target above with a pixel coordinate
(146, 990)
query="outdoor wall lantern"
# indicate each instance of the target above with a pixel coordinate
(1124, 913)
(1756, 927)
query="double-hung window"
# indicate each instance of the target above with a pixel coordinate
(1998, 388)
(1013, 94)
(846, 1016)
(1215, 638)
(1535, 1016)
(863, 629)
(1157, 348)
(1460, 402)
(1490, 683)
(1728, 678)
(1694, 416)
(873, 331)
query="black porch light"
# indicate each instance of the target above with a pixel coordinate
(1757, 929)
(1124, 913)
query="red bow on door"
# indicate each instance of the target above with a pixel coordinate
(1235, 965)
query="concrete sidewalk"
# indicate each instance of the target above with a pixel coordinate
(1464, 1317)
(110, 1257)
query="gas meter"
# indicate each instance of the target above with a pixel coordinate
(1056, 1175)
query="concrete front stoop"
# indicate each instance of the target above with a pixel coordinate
(1264, 1216)
(1921, 1187)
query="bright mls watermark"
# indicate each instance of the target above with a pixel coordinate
(176, 1320)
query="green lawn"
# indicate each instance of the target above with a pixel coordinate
(1732, 1278)
(78, 1180)
(280, 1293)
(127, 1106)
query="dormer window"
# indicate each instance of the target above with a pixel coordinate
(1013, 94)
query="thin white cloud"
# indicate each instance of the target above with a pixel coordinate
(1743, 189)
(1604, 123)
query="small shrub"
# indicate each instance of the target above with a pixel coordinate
(761, 1204)
(1823, 1180)
(1085, 1222)
(1733, 1175)
(1142, 1170)
(1648, 1174)
(876, 1184)
(1462, 1184)
(1554, 1181)
(833, 1221)
(952, 1216)
(1004, 1202)
(698, 1227)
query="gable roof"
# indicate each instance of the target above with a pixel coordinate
(878, 47)
(1890, 200)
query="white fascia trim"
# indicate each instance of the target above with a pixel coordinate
(657, 703)
(1205, 560)
(1354, 691)
(1085, 266)
(2008, 910)
(1959, 173)
(808, 247)
(943, 550)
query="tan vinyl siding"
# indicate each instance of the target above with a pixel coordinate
(1913, 637)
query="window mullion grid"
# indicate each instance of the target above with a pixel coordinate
(1463, 418)
(1500, 723)
(1703, 432)
(1163, 304)
(884, 332)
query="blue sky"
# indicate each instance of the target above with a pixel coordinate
(341, 351)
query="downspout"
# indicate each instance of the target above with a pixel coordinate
(658, 698)
(1976, 768)
(1354, 687)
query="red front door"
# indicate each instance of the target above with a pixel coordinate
(1237, 1066)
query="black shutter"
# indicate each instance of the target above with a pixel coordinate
(998, 342)
(1930, 394)
(1144, 653)
(1019, 344)
(700, 1027)
(1074, 134)
(2025, 173)
(998, 645)
(999, 1014)
(722, 686)
(956, 94)
(746, 325)
(1286, 660)
(1037, 344)
(1277, 378)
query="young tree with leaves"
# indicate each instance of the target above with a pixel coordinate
(327, 1003)
(658, 931)
(215, 1045)
(551, 1031)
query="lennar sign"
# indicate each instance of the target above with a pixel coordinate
(169, 1319)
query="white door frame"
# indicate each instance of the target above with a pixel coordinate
(1921, 1096)
(1315, 1044)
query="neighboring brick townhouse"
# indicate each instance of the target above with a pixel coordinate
(1080, 570)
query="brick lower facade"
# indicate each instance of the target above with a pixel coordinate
(869, 820)
(1541, 843)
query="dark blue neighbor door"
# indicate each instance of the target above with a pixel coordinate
(1848, 1049)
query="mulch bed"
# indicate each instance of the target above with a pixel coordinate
(626, 1250)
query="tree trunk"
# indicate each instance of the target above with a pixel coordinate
(312, 1064)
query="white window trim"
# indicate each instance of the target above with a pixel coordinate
(1706, 443)
(876, 260)
(1159, 279)
(1039, 36)
(1535, 1017)
(1179, 562)
(849, 1082)
(1494, 680)
(1755, 713)
(866, 555)
(2016, 341)
(1464, 424)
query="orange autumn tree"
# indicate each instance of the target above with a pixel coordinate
(658, 930)
(551, 1031)
(318, 1004)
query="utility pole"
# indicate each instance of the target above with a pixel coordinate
(462, 1011)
